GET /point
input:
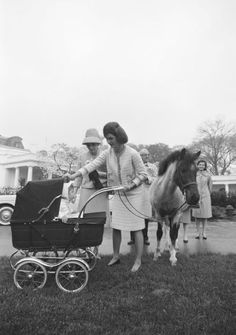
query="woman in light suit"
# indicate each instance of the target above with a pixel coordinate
(124, 167)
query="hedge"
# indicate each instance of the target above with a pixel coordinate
(221, 199)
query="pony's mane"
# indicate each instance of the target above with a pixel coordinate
(171, 158)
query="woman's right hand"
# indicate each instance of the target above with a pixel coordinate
(66, 177)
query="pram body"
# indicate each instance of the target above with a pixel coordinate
(47, 245)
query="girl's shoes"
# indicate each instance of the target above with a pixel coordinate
(203, 236)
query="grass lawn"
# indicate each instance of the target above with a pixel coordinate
(195, 297)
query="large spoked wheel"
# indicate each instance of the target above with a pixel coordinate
(86, 254)
(30, 274)
(71, 276)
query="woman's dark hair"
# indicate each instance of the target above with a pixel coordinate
(202, 161)
(115, 129)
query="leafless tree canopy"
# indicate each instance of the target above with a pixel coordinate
(217, 142)
(59, 160)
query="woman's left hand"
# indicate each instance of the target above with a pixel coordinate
(126, 188)
(129, 187)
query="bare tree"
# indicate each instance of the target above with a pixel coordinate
(158, 151)
(217, 142)
(59, 160)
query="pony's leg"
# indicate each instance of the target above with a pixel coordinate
(185, 232)
(176, 244)
(174, 228)
(167, 234)
(159, 233)
(177, 219)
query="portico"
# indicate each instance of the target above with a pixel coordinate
(18, 166)
(226, 182)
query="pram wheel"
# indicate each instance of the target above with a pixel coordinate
(71, 276)
(30, 274)
(86, 254)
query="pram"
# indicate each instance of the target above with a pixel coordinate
(46, 245)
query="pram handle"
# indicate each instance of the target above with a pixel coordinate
(101, 191)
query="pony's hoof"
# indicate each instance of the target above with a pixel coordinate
(173, 261)
(156, 256)
(167, 248)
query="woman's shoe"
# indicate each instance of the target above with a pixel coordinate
(146, 242)
(131, 242)
(135, 267)
(204, 237)
(197, 237)
(114, 262)
(185, 241)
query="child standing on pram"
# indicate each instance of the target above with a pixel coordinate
(69, 202)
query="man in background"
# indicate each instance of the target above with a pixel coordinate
(151, 170)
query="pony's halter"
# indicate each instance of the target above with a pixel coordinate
(184, 186)
(188, 184)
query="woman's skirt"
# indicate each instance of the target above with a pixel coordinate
(127, 210)
(186, 216)
(147, 207)
(204, 211)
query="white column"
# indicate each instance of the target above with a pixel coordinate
(49, 175)
(30, 173)
(227, 188)
(17, 174)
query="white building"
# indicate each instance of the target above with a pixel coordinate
(227, 182)
(17, 165)
(21, 165)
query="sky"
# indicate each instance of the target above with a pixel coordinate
(159, 68)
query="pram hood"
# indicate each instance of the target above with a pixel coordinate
(35, 196)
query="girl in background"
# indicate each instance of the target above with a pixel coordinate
(204, 212)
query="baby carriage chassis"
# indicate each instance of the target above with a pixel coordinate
(47, 246)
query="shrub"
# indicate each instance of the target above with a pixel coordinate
(221, 199)
(231, 200)
(218, 212)
(8, 190)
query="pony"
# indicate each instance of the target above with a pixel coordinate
(172, 192)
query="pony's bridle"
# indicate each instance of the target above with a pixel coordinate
(184, 186)
(188, 184)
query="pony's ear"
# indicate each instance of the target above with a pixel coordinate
(182, 153)
(196, 155)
